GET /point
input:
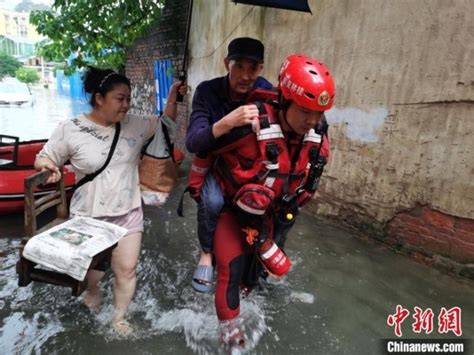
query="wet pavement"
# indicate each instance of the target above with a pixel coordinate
(335, 300)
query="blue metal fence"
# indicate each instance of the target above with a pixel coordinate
(163, 81)
(72, 85)
(71, 88)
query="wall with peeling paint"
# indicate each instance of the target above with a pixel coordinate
(402, 128)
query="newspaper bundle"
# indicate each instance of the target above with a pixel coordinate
(70, 246)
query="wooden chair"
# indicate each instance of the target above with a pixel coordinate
(36, 205)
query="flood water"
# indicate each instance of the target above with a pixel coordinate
(335, 300)
(37, 122)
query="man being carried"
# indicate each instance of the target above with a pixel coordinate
(218, 106)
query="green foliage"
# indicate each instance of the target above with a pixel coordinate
(95, 32)
(27, 75)
(8, 65)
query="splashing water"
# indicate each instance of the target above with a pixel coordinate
(45, 317)
(164, 304)
(320, 307)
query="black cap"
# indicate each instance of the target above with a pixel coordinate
(245, 47)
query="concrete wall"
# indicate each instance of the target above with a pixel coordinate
(402, 128)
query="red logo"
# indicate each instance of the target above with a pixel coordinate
(448, 320)
(397, 319)
(423, 320)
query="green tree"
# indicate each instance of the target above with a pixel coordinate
(94, 32)
(8, 65)
(27, 75)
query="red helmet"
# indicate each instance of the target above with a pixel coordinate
(307, 82)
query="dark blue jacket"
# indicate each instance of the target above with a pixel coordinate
(211, 102)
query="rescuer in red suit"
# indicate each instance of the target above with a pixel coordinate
(267, 171)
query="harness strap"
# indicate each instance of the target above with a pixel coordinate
(269, 138)
(262, 115)
(272, 152)
(317, 164)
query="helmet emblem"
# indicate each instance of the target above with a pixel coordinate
(323, 98)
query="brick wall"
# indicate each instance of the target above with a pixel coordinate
(435, 237)
(166, 40)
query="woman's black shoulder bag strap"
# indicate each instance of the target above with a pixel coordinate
(92, 176)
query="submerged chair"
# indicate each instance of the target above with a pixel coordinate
(37, 202)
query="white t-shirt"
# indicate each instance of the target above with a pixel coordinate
(115, 191)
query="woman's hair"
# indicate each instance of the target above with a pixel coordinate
(102, 81)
